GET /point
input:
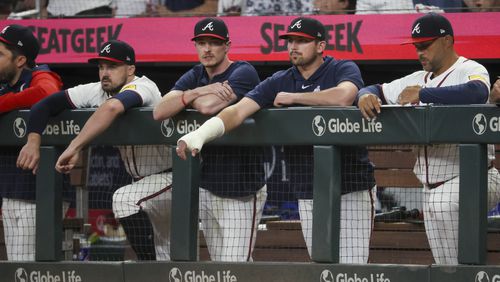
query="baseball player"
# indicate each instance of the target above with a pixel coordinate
(147, 200)
(448, 79)
(232, 189)
(22, 84)
(312, 80)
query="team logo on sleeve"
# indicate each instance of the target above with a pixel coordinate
(19, 127)
(168, 127)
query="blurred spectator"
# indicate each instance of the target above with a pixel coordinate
(78, 8)
(446, 5)
(229, 7)
(335, 6)
(482, 5)
(384, 7)
(134, 8)
(5, 8)
(397, 7)
(182, 5)
(188, 8)
(265, 7)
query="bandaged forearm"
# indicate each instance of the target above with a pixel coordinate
(211, 129)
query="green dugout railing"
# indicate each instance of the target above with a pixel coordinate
(328, 129)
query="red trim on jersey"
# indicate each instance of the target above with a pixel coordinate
(154, 195)
(426, 77)
(253, 226)
(384, 100)
(426, 166)
(372, 213)
(43, 84)
(66, 93)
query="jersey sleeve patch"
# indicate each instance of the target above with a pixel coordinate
(476, 77)
(129, 87)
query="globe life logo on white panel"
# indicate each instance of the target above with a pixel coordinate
(21, 275)
(318, 125)
(479, 124)
(168, 127)
(175, 275)
(19, 127)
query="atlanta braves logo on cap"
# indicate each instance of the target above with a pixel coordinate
(416, 29)
(211, 27)
(106, 48)
(429, 27)
(305, 27)
(115, 51)
(297, 24)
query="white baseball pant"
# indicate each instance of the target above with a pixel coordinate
(230, 224)
(356, 223)
(441, 216)
(153, 195)
(19, 223)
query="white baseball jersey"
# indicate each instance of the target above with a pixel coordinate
(437, 163)
(140, 160)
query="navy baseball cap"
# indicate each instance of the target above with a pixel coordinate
(429, 27)
(21, 38)
(211, 27)
(115, 51)
(305, 27)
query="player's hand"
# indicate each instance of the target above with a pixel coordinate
(369, 105)
(29, 157)
(495, 92)
(67, 160)
(284, 99)
(182, 148)
(188, 143)
(410, 95)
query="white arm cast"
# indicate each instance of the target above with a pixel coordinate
(211, 129)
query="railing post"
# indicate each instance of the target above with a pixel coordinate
(185, 197)
(48, 207)
(326, 202)
(473, 195)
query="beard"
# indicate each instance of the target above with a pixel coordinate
(110, 88)
(8, 74)
(300, 61)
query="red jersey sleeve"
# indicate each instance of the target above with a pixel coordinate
(42, 85)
